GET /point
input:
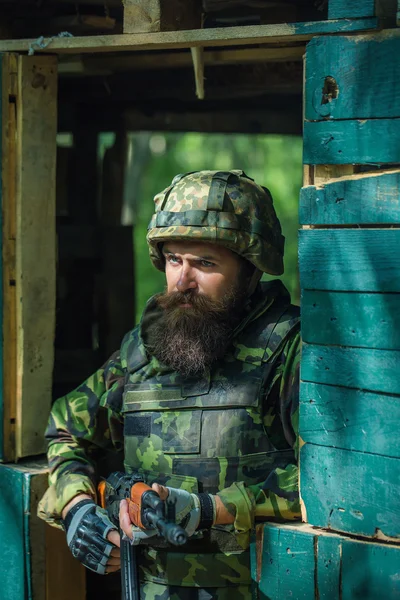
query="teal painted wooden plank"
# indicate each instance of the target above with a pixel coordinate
(287, 565)
(350, 491)
(333, 26)
(363, 260)
(351, 419)
(343, 568)
(13, 575)
(360, 368)
(328, 561)
(373, 141)
(361, 88)
(370, 571)
(340, 9)
(351, 319)
(368, 199)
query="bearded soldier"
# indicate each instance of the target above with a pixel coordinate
(203, 395)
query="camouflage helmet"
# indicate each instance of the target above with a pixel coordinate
(218, 207)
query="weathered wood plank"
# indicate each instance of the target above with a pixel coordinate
(363, 199)
(287, 552)
(220, 36)
(363, 260)
(65, 576)
(328, 567)
(360, 142)
(35, 252)
(343, 568)
(344, 9)
(342, 81)
(8, 368)
(350, 419)
(382, 576)
(351, 319)
(357, 492)
(360, 368)
(36, 561)
(148, 16)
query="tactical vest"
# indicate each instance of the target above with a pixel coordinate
(204, 434)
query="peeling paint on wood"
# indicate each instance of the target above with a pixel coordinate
(362, 199)
(357, 492)
(366, 88)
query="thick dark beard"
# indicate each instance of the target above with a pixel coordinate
(190, 340)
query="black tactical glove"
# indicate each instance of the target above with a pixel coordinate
(87, 526)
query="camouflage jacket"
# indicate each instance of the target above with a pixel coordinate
(262, 484)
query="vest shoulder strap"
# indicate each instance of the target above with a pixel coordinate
(133, 351)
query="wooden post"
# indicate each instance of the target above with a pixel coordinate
(35, 252)
(8, 172)
(147, 16)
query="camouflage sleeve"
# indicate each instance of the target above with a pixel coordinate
(82, 422)
(278, 496)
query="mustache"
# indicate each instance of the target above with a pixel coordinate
(200, 302)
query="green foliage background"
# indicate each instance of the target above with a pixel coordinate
(273, 161)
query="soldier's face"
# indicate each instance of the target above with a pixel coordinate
(199, 267)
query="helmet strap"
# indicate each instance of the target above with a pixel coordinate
(254, 280)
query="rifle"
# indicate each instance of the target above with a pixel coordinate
(146, 510)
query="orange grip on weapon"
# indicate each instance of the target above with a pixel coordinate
(135, 503)
(101, 491)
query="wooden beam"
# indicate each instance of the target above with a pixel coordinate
(8, 196)
(149, 16)
(221, 36)
(198, 67)
(35, 247)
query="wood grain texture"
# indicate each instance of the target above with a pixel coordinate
(327, 556)
(373, 141)
(141, 16)
(357, 492)
(359, 368)
(363, 199)
(12, 543)
(363, 260)
(35, 248)
(366, 88)
(342, 9)
(343, 568)
(351, 319)
(220, 36)
(36, 561)
(350, 419)
(287, 552)
(8, 367)
(65, 576)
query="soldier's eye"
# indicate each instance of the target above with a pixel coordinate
(206, 263)
(172, 259)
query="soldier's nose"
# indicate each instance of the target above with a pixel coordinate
(186, 281)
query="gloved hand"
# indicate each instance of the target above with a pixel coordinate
(134, 534)
(193, 511)
(87, 526)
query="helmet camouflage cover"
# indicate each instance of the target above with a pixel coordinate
(219, 207)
